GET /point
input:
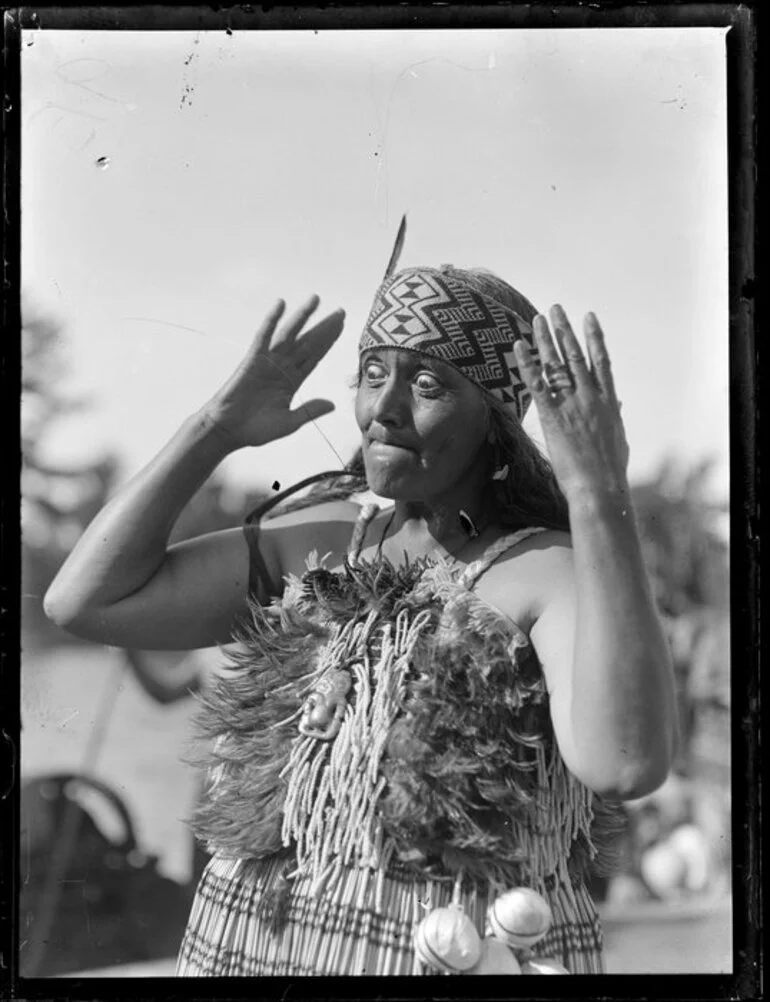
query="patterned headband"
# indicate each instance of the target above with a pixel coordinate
(468, 319)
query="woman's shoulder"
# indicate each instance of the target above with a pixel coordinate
(544, 539)
(530, 570)
(533, 543)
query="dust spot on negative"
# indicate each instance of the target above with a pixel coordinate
(102, 163)
(276, 485)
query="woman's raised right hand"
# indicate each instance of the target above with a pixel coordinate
(254, 405)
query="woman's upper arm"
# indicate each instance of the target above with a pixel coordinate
(553, 638)
(192, 601)
(203, 585)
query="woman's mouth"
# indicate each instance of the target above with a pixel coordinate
(379, 447)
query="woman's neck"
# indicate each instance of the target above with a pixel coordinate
(419, 526)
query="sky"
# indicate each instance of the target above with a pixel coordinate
(175, 184)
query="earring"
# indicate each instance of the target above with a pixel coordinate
(498, 472)
(468, 524)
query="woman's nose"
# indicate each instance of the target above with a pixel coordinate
(390, 403)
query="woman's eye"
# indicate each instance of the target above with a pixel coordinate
(372, 373)
(427, 383)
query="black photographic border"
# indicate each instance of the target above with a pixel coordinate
(743, 153)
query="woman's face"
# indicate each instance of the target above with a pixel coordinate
(423, 425)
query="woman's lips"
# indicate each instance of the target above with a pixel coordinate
(389, 448)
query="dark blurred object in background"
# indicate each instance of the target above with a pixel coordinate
(88, 898)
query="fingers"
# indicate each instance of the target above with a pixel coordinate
(534, 366)
(569, 344)
(296, 322)
(305, 352)
(569, 352)
(546, 349)
(310, 411)
(531, 372)
(315, 343)
(266, 329)
(600, 359)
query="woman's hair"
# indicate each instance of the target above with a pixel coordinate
(528, 496)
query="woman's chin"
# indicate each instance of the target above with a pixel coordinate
(383, 488)
(390, 484)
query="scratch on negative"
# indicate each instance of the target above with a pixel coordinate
(168, 323)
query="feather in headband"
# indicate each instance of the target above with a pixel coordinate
(466, 318)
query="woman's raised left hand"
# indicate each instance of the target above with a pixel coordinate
(580, 412)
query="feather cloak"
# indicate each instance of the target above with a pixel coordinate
(451, 731)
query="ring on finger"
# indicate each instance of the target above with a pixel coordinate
(557, 377)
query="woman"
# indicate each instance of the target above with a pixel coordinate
(430, 703)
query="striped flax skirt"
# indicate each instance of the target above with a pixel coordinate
(346, 933)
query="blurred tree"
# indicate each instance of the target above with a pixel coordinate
(687, 557)
(685, 552)
(58, 500)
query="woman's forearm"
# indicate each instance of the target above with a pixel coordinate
(126, 543)
(623, 704)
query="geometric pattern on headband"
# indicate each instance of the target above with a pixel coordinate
(437, 313)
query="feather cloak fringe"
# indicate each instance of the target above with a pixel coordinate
(473, 778)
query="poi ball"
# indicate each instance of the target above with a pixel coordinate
(447, 939)
(626, 890)
(520, 917)
(496, 958)
(664, 870)
(692, 846)
(543, 965)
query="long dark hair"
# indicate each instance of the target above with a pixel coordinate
(528, 496)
